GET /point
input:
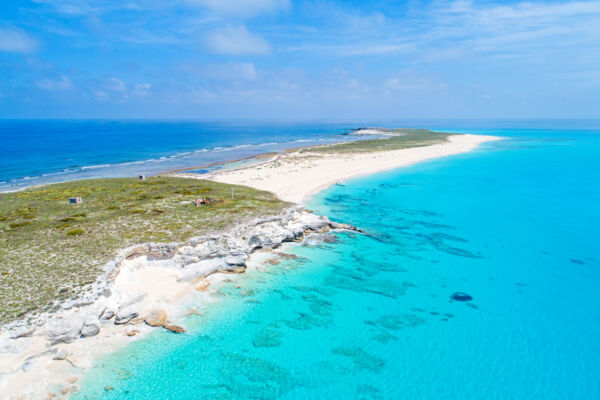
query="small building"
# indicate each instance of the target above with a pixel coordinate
(201, 202)
(142, 177)
(75, 200)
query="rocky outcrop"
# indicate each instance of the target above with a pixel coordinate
(156, 318)
(192, 260)
(64, 329)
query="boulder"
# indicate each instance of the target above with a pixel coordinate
(174, 328)
(90, 330)
(235, 270)
(156, 318)
(238, 259)
(107, 314)
(131, 332)
(202, 285)
(125, 315)
(460, 296)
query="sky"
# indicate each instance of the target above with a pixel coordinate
(299, 60)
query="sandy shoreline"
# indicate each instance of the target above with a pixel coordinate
(48, 359)
(29, 367)
(296, 176)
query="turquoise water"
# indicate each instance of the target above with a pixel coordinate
(515, 225)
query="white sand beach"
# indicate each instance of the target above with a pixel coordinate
(295, 176)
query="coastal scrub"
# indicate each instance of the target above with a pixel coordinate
(397, 139)
(50, 249)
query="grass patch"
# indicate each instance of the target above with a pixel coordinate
(19, 224)
(402, 139)
(50, 249)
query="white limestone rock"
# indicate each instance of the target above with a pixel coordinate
(90, 330)
(125, 315)
(64, 329)
(61, 355)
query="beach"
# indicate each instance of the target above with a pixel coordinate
(144, 285)
(295, 176)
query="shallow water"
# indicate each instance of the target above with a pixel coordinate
(515, 225)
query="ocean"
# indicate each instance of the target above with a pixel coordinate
(36, 152)
(514, 225)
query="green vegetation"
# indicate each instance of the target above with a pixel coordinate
(402, 139)
(49, 248)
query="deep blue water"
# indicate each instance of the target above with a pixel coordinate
(514, 224)
(34, 152)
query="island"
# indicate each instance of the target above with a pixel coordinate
(87, 266)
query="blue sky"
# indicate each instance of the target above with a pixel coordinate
(294, 59)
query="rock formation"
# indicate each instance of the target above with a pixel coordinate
(193, 260)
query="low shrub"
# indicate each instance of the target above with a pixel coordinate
(75, 232)
(19, 224)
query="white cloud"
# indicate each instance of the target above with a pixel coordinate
(436, 54)
(119, 88)
(62, 84)
(15, 40)
(242, 8)
(116, 85)
(408, 81)
(535, 13)
(100, 95)
(358, 21)
(374, 49)
(447, 31)
(526, 24)
(82, 8)
(114, 89)
(142, 89)
(237, 41)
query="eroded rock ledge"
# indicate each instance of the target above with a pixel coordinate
(107, 303)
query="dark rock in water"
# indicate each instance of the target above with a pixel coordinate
(460, 296)
(174, 328)
(122, 374)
